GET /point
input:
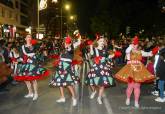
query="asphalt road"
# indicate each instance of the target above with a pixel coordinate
(13, 102)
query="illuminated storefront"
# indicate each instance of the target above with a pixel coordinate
(8, 31)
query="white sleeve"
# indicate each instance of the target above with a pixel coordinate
(146, 54)
(156, 61)
(69, 49)
(10, 54)
(76, 44)
(128, 50)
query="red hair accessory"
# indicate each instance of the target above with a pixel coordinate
(89, 42)
(34, 42)
(68, 40)
(135, 40)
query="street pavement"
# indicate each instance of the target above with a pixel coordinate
(13, 102)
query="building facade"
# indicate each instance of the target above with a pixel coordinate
(14, 17)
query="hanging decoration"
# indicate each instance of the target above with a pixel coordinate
(43, 4)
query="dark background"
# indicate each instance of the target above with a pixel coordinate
(113, 16)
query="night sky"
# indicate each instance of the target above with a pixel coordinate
(134, 13)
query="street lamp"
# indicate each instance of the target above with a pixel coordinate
(72, 23)
(67, 7)
(41, 5)
(71, 17)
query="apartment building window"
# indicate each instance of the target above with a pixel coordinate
(17, 4)
(24, 9)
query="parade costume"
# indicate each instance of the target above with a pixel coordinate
(100, 72)
(64, 73)
(134, 72)
(77, 59)
(55, 50)
(15, 61)
(100, 75)
(30, 69)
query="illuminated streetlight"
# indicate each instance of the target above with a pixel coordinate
(71, 17)
(42, 4)
(67, 7)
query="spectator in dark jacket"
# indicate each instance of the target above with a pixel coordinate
(160, 72)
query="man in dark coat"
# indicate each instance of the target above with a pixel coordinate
(160, 72)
